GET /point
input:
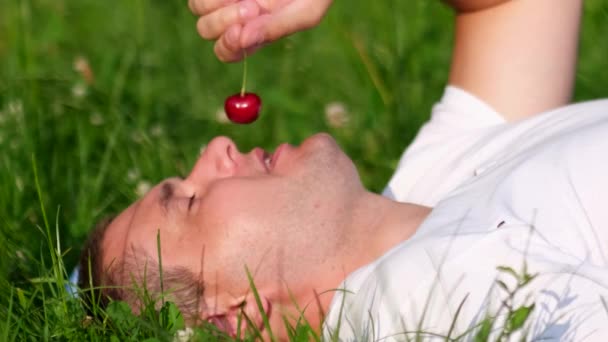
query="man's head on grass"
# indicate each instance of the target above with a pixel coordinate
(285, 219)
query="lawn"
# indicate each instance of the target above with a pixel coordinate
(101, 99)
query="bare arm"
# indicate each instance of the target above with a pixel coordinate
(519, 56)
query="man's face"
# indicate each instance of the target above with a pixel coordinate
(277, 214)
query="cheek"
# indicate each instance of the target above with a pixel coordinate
(238, 233)
(260, 193)
(236, 208)
(245, 218)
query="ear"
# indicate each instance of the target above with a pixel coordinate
(241, 313)
(246, 314)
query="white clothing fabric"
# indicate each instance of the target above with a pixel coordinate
(447, 150)
(533, 192)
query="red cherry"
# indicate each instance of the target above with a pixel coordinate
(243, 109)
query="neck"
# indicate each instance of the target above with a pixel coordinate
(378, 225)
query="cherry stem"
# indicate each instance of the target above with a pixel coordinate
(244, 73)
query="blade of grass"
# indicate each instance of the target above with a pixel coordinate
(160, 268)
(239, 323)
(372, 71)
(94, 299)
(291, 332)
(61, 271)
(9, 315)
(453, 324)
(257, 334)
(54, 259)
(334, 335)
(258, 302)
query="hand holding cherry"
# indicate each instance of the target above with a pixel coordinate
(242, 26)
(246, 25)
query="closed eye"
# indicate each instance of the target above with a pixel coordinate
(191, 201)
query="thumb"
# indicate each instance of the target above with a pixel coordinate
(293, 17)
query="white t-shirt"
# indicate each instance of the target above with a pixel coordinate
(533, 190)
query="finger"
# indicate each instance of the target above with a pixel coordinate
(227, 48)
(204, 7)
(294, 17)
(213, 25)
(270, 5)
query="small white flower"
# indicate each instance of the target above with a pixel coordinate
(221, 117)
(15, 108)
(79, 90)
(133, 175)
(142, 188)
(336, 114)
(96, 119)
(156, 130)
(88, 320)
(183, 335)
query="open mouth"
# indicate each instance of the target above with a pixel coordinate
(275, 156)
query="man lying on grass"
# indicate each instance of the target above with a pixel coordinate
(486, 183)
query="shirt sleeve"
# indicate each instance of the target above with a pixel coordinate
(444, 145)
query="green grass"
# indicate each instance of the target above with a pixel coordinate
(151, 105)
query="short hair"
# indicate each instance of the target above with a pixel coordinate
(123, 279)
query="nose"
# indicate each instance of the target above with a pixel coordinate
(218, 160)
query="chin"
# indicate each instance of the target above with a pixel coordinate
(328, 161)
(324, 146)
(322, 139)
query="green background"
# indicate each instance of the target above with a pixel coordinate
(156, 88)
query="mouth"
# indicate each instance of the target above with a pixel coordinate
(264, 158)
(274, 158)
(267, 160)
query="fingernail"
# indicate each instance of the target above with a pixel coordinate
(245, 10)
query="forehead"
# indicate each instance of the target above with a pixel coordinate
(131, 223)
